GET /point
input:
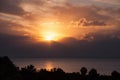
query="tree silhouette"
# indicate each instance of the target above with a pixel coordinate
(93, 75)
(59, 70)
(8, 71)
(83, 71)
(115, 75)
(93, 72)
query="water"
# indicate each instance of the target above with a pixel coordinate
(103, 66)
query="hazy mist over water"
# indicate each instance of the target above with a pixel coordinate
(103, 66)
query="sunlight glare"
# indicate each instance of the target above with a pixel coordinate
(49, 66)
(51, 31)
(50, 36)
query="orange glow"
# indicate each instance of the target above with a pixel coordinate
(54, 30)
(49, 66)
(50, 36)
(50, 31)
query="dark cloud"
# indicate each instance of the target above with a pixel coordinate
(85, 22)
(4, 26)
(95, 23)
(11, 7)
(21, 46)
(9, 27)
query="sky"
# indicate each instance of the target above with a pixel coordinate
(60, 28)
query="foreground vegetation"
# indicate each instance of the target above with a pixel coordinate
(8, 71)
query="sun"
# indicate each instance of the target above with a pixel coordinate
(50, 36)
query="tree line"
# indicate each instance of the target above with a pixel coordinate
(8, 71)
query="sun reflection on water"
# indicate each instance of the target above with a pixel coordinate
(49, 66)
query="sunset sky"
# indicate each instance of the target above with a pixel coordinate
(60, 28)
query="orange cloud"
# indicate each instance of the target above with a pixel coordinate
(74, 21)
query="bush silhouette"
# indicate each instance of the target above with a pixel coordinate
(28, 72)
(83, 71)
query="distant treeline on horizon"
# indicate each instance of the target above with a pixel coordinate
(8, 71)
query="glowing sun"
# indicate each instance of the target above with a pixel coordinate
(50, 36)
(51, 31)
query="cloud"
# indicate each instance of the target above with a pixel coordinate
(115, 2)
(76, 21)
(4, 26)
(11, 7)
(22, 46)
(85, 22)
(14, 28)
(88, 15)
(76, 13)
(90, 30)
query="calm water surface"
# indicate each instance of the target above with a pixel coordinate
(103, 66)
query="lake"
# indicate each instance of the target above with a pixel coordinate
(103, 66)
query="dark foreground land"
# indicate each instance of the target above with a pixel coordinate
(8, 71)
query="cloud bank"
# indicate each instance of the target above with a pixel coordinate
(91, 27)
